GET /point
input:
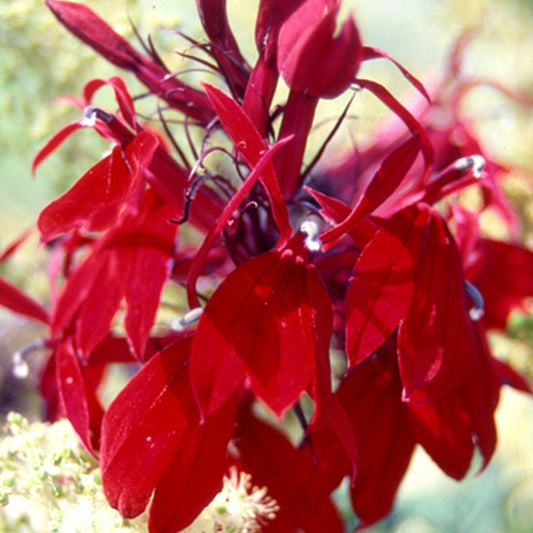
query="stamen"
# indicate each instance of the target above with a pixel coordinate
(91, 113)
(189, 318)
(20, 368)
(476, 162)
(312, 242)
(478, 310)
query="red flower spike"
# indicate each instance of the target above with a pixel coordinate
(315, 59)
(436, 341)
(152, 440)
(79, 401)
(382, 283)
(95, 201)
(13, 298)
(267, 321)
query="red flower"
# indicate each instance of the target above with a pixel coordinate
(295, 277)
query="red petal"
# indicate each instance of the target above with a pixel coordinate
(370, 52)
(385, 181)
(409, 120)
(97, 198)
(248, 140)
(444, 429)
(381, 287)
(505, 281)
(371, 395)
(143, 251)
(299, 482)
(80, 403)
(264, 321)
(313, 57)
(152, 439)
(52, 143)
(14, 299)
(437, 347)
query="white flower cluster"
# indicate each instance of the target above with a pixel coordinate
(48, 482)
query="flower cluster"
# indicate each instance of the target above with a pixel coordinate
(343, 290)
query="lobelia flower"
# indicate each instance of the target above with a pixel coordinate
(286, 262)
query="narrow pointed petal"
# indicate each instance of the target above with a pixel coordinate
(80, 403)
(248, 140)
(54, 142)
(384, 182)
(15, 300)
(370, 52)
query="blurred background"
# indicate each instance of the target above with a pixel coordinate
(41, 61)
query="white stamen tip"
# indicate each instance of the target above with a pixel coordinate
(478, 309)
(312, 242)
(474, 162)
(20, 369)
(476, 313)
(187, 319)
(89, 117)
